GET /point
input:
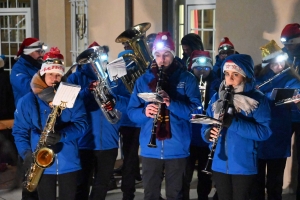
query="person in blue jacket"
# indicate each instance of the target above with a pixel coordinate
(31, 116)
(98, 147)
(30, 59)
(234, 162)
(180, 95)
(290, 38)
(201, 67)
(273, 152)
(226, 48)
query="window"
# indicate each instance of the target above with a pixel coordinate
(78, 27)
(200, 19)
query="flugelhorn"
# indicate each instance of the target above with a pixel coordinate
(142, 57)
(225, 109)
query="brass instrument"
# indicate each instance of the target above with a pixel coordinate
(142, 57)
(152, 142)
(225, 109)
(102, 93)
(43, 156)
(202, 88)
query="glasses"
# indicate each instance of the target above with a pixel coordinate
(202, 68)
(41, 51)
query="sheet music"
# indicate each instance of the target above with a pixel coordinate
(66, 92)
(116, 69)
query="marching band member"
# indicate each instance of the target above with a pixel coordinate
(201, 67)
(234, 161)
(31, 116)
(290, 38)
(180, 95)
(100, 143)
(190, 42)
(226, 48)
(273, 152)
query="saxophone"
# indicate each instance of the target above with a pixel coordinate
(43, 156)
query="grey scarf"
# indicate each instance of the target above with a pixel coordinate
(240, 102)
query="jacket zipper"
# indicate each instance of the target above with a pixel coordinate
(162, 150)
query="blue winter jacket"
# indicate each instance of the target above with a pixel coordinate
(31, 118)
(213, 83)
(20, 77)
(279, 144)
(185, 96)
(100, 134)
(236, 151)
(295, 113)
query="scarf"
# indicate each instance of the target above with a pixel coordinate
(163, 128)
(240, 102)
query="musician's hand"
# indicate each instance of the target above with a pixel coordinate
(296, 97)
(53, 138)
(47, 94)
(109, 105)
(28, 159)
(213, 134)
(165, 97)
(93, 85)
(151, 110)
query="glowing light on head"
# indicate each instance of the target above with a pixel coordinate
(160, 45)
(283, 39)
(202, 60)
(44, 46)
(281, 58)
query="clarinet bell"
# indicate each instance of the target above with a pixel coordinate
(207, 169)
(152, 143)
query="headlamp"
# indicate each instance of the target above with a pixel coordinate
(40, 46)
(226, 48)
(280, 58)
(159, 45)
(283, 39)
(202, 60)
(53, 61)
(104, 56)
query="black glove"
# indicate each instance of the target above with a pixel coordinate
(28, 160)
(227, 120)
(47, 94)
(53, 138)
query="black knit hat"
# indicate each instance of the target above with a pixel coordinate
(192, 40)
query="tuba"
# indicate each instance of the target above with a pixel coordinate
(135, 37)
(103, 94)
(43, 156)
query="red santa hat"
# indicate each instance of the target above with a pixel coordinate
(93, 44)
(29, 45)
(53, 62)
(231, 66)
(163, 41)
(200, 58)
(291, 34)
(225, 44)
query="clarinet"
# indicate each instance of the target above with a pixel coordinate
(225, 109)
(152, 143)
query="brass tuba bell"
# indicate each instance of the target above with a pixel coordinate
(135, 36)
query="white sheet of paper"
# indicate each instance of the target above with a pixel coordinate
(66, 92)
(116, 69)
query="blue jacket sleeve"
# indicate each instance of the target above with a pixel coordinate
(258, 130)
(136, 106)
(183, 109)
(21, 129)
(77, 124)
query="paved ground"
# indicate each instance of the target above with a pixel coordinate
(7, 178)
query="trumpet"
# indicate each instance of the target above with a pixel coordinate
(225, 108)
(202, 88)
